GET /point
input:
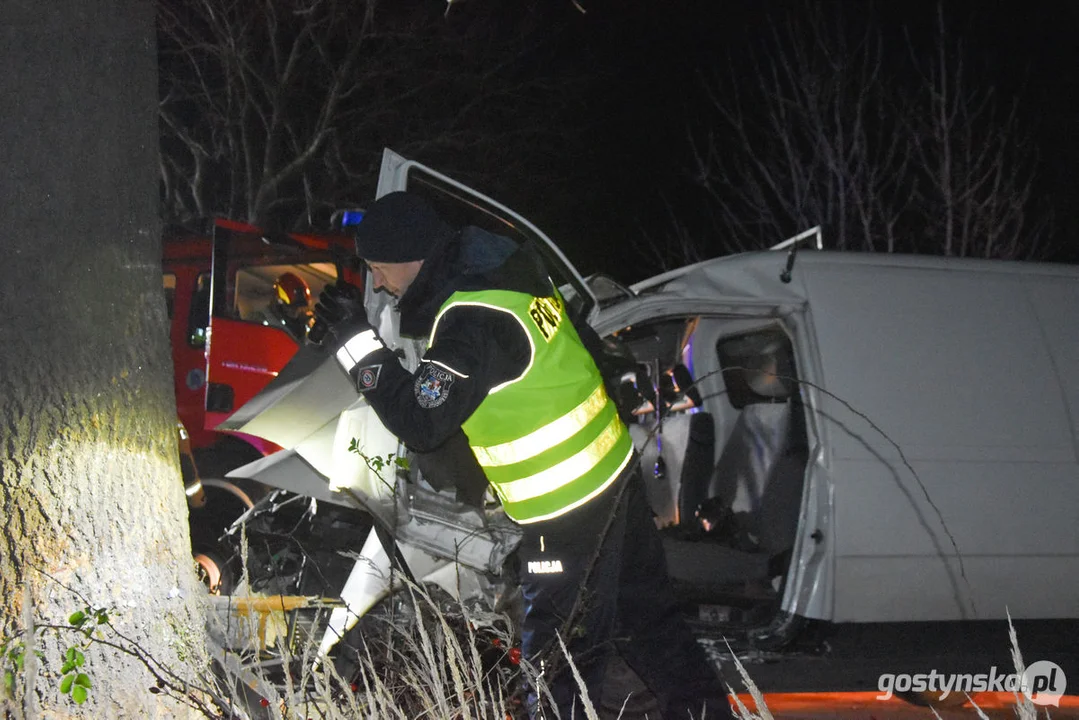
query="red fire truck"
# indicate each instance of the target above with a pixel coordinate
(254, 316)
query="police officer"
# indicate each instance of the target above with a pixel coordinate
(505, 365)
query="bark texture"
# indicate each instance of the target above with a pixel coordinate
(89, 483)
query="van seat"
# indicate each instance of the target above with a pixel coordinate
(761, 469)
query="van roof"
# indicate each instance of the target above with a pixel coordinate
(755, 262)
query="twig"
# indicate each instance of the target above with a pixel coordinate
(166, 679)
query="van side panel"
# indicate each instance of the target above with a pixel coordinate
(954, 367)
(1056, 304)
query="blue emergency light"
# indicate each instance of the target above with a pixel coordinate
(351, 217)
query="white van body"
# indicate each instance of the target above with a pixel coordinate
(942, 401)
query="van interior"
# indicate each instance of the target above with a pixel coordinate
(721, 428)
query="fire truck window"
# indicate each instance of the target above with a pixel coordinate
(254, 288)
(169, 281)
(199, 317)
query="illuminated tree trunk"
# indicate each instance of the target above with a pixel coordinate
(90, 491)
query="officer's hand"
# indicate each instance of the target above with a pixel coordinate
(338, 312)
(340, 302)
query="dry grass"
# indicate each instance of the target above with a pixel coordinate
(427, 662)
(435, 661)
(435, 664)
(429, 659)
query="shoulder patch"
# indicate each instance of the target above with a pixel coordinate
(546, 313)
(432, 386)
(367, 377)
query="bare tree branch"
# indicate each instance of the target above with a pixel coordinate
(277, 111)
(826, 132)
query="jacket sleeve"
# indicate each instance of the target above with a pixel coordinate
(475, 350)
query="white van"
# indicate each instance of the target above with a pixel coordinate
(925, 465)
(874, 438)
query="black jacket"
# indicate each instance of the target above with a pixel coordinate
(476, 348)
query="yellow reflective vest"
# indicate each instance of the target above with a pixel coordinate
(549, 440)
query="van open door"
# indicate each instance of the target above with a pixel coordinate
(460, 205)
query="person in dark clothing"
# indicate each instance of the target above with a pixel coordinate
(290, 304)
(505, 365)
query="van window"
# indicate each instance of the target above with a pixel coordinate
(460, 209)
(169, 283)
(758, 367)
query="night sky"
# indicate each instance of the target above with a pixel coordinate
(582, 121)
(630, 162)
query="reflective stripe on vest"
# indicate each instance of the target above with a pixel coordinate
(614, 475)
(566, 471)
(550, 439)
(547, 436)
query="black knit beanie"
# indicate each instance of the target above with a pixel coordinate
(398, 228)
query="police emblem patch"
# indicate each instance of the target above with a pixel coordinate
(433, 386)
(367, 378)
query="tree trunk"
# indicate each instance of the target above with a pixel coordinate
(90, 491)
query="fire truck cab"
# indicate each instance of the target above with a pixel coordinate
(249, 294)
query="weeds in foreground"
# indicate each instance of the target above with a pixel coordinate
(415, 656)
